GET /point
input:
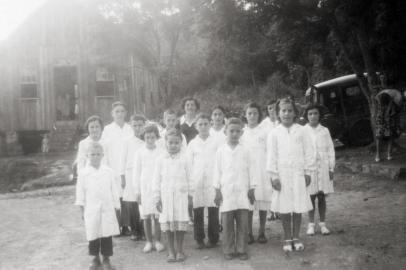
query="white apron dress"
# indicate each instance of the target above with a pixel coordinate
(115, 136)
(325, 160)
(234, 175)
(131, 147)
(144, 165)
(201, 155)
(97, 193)
(268, 125)
(290, 157)
(172, 187)
(255, 140)
(83, 148)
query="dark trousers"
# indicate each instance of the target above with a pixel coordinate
(102, 245)
(132, 218)
(212, 227)
(235, 240)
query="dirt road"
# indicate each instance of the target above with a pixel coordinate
(43, 230)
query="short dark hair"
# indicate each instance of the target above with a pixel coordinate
(221, 108)
(118, 103)
(234, 121)
(197, 104)
(286, 100)
(173, 132)
(138, 117)
(270, 103)
(93, 118)
(313, 107)
(255, 106)
(203, 116)
(151, 128)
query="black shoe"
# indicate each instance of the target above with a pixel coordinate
(211, 244)
(262, 239)
(107, 265)
(228, 256)
(251, 239)
(200, 245)
(95, 264)
(243, 256)
(125, 231)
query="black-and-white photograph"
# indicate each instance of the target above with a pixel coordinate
(202, 134)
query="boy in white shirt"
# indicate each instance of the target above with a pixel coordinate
(114, 135)
(171, 121)
(234, 181)
(97, 196)
(201, 151)
(132, 145)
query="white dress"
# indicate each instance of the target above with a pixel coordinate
(255, 139)
(290, 157)
(83, 147)
(325, 159)
(131, 147)
(201, 156)
(144, 165)
(220, 135)
(234, 175)
(115, 136)
(97, 193)
(172, 187)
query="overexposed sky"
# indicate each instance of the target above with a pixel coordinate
(14, 12)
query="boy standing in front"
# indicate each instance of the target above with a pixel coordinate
(97, 196)
(234, 181)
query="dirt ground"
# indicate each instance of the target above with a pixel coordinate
(42, 229)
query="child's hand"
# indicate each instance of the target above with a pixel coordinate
(190, 200)
(331, 174)
(122, 182)
(159, 206)
(219, 198)
(138, 198)
(276, 184)
(308, 180)
(251, 195)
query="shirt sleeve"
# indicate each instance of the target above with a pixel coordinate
(309, 153)
(136, 177)
(125, 147)
(80, 191)
(331, 152)
(253, 170)
(157, 181)
(114, 191)
(81, 157)
(217, 172)
(189, 168)
(272, 155)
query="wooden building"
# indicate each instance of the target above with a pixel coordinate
(49, 75)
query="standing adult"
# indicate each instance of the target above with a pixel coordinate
(187, 122)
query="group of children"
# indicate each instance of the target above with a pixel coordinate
(140, 177)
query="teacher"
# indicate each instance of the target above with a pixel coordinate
(187, 122)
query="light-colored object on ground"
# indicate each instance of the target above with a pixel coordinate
(287, 246)
(147, 248)
(297, 245)
(323, 228)
(159, 246)
(310, 229)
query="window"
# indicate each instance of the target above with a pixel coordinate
(104, 83)
(28, 83)
(352, 91)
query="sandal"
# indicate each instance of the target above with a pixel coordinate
(171, 258)
(287, 246)
(297, 245)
